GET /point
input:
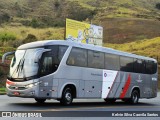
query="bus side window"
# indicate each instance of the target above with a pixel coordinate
(61, 51)
(95, 59)
(46, 64)
(57, 53)
(154, 66)
(151, 67)
(126, 64)
(148, 67)
(111, 62)
(139, 66)
(77, 57)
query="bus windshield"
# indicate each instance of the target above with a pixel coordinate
(23, 64)
(33, 63)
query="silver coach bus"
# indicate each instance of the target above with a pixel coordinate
(64, 70)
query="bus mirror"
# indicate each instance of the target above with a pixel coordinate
(39, 53)
(36, 60)
(5, 55)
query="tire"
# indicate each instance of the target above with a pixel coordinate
(134, 97)
(40, 100)
(110, 100)
(67, 97)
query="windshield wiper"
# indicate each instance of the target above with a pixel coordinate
(22, 64)
(19, 66)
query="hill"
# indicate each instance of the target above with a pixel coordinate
(54, 12)
(147, 47)
(123, 20)
(124, 30)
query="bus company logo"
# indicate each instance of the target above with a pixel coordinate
(139, 79)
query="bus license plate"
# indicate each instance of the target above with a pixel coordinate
(16, 93)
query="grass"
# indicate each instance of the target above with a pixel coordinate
(21, 32)
(2, 91)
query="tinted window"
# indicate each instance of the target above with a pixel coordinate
(151, 67)
(46, 64)
(51, 60)
(126, 64)
(154, 67)
(61, 51)
(139, 66)
(95, 59)
(77, 57)
(111, 62)
(57, 53)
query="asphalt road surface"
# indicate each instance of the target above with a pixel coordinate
(29, 104)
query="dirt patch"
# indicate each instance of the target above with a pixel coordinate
(124, 30)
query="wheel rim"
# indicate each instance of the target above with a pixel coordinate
(68, 96)
(135, 98)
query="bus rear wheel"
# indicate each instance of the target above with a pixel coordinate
(134, 97)
(67, 96)
(38, 100)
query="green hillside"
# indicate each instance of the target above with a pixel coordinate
(123, 20)
(53, 12)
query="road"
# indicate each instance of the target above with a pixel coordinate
(28, 104)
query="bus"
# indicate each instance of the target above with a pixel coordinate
(66, 70)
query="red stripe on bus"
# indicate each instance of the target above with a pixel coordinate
(112, 85)
(125, 89)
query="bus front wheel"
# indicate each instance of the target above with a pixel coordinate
(40, 100)
(67, 96)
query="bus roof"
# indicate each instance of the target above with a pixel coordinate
(81, 45)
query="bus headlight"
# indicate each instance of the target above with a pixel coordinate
(32, 85)
(29, 86)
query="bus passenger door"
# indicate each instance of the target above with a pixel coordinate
(46, 79)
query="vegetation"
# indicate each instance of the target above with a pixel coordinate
(6, 36)
(2, 90)
(148, 47)
(21, 34)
